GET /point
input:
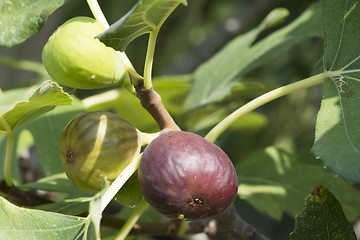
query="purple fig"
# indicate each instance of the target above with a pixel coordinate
(184, 176)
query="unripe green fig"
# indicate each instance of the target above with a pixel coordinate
(75, 58)
(96, 147)
(184, 176)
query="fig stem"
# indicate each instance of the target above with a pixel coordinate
(146, 138)
(130, 222)
(151, 101)
(150, 58)
(97, 12)
(215, 132)
(149, 98)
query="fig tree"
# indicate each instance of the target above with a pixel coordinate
(75, 58)
(97, 146)
(184, 176)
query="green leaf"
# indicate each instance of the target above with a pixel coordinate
(21, 19)
(42, 100)
(274, 182)
(72, 205)
(22, 223)
(46, 131)
(322, 218)
(54, 183)
(337, 139)
(43, 133)
(145, 17)
(74, 202)
(214, 79)
(130, 194)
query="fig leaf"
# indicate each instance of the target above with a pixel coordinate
(322, 218)
(41, 100)
(22, 223)
(19, 20)
(144, 17)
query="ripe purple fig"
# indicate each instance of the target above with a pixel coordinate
(97, 146)
(184, 176)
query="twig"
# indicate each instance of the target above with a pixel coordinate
(20, 197)
(227, 226)
(233, 226)
(143, 228)
(151, 101)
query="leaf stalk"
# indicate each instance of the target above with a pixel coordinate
(215, 132)
(97, 12)
(150, 58)
(130, 222)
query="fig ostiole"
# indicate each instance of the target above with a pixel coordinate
(75, 58)
(96, 147)
(183, 176)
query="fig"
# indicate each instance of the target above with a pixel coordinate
(75, 58)
(96, 147)
(184, 176)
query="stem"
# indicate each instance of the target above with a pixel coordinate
(20, 197)
(146, 138)
(150, 58)
(119, 182)
(97, 12)
(151, 101)
(184, 225)
(130, 68)
(231, 226)
(261, 100)
(130, 222)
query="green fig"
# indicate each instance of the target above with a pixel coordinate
(96, 147)
(75, 58)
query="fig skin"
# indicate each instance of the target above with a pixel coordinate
(75, 58)
(184, 176)
(97, 146)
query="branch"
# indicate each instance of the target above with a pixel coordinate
(232, 225)
(20, 197)
(142, 228)
(227, 226)
(151, 101)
